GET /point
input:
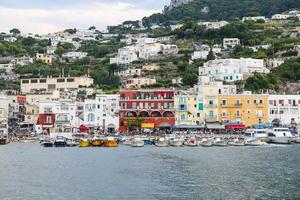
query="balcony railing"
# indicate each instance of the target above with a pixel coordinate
(211, 106)
(211, 118)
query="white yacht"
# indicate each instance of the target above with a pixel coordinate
(256, 133)
(162, 142)
(137, 142)
(176, 142)
(191, 142)
(279, 135)
(220, 142)
(255, 137)
(205, 142)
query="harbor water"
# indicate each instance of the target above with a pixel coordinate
(31, 172)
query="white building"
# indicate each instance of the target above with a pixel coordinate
(213, 25)
(50, 84)
(284, 108)
(280, 16)
(74, 55)
(126, 55)
(4, 109)
(231, 70)
(230, 42)
(176, 26)
(203, 52)
(7, 68)
(149, 50)
(169, 49)
(25, 60)
(64, 111)
(102, 112)
(51, 50)
(130, 72)
(255, 18)
(138, 82)
(10, 39)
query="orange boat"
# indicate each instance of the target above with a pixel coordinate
(110, 142)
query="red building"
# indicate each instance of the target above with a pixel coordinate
(146, 108)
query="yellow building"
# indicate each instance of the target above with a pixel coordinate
(44, 58)
(189, 110)
(247, 108)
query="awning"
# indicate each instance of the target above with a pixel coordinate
(188, 127)
(147, 125)
(164, 125)
(215, 126)
(83, 128)
(235, 126)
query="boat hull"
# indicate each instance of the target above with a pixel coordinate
(280, 140)
(84, 144)
(60, 144)
(4, 141)
(97, 143)
(48, 144)
(206, 144)
(161, 144)
(176, 143)
(137, 144)
(111, 144)
(236, 144)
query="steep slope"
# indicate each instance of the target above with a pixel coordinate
(222, 10)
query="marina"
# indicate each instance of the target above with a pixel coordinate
(264, 172)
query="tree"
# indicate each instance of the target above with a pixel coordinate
(71, 31)
(60, 51)
(92, 28)
(189, 79)
(15, 31)
(211, 55)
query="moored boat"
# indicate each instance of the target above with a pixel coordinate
(48, 143)
(254, 142)
(236, 142)
(176, 142)
(110, 142)
(84, 143)
(71, 143)
(279, 135)
(220, 142)
(97, 142)
(191, 142)
(205, 142)
(4, 140)
(161, 142)
(60, 141)
(137, 142)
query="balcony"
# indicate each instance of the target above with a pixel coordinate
(211, 106)
(231, 105)
(211, 118)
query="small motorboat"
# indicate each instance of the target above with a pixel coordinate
(176, 142)
(48, 143)
(205, 142)
(60, 141)
(97, 142)
(191, 142)
(111, 142)
(4, 140)
(254, 142)
(220, 142)
(84, 143)
(137, 142)
(236, 142)
(71, 143)
(161, 142)
(127, 142)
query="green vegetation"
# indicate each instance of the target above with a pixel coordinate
(277, 79)
(222, 10)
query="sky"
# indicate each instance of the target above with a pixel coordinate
(45, 16)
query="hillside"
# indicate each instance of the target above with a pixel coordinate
(222, 10)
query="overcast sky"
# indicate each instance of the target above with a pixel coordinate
(44, 16)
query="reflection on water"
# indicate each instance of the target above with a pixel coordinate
(28, 171)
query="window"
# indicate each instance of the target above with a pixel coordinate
(43, 81)
(237, 113)
(248, 101)
(261, 101)
(70, 80)
(224, 102)
(91, 117)
(34, 81)
(61, 80)
(25, 81)
(48, 119)
(165, 105)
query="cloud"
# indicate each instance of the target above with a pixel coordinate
(42, 20)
